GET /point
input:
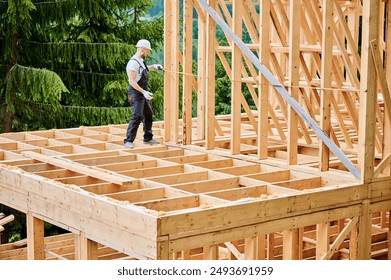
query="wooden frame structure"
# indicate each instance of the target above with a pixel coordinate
(256, 184)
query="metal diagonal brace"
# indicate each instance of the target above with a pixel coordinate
(281, 90)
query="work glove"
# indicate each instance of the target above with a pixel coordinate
(147, 95)
(158, 66)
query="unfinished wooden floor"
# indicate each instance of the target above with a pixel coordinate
(182, 202)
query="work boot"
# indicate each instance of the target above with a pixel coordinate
(128, 145)
(151, 142)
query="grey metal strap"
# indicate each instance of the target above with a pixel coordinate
(281, 90)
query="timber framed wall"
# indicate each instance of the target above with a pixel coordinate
(255, 184)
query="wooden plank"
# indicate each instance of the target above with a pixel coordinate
(201, 74)
(387, 121)
(231, 247)
(86, 249)
(35, 237)
(210, 78)
(6, 220)
(282, 207)
(325, 113)
(322, 239)
(263, 101)
(382, 165)
(364, 233)
(236, 85)
(211, 252)
(90, 171)
(338, 241)
(204, 238)
(294, 77)
(29, 192)
(188, 70)
(169, 59)
(368, 92)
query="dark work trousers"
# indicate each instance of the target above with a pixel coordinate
(141, 111)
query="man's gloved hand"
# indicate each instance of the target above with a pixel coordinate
(147, 95)
(158, 66)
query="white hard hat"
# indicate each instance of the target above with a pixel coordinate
(144, 44)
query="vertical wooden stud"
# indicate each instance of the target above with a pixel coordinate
(322, 239)
(325, 109)
(264, 86)
(35, 238)
(210, 78)
(294, 78)
(85, 249)
(188, 70)
(236, 85)
(368, 91)
(290, 249)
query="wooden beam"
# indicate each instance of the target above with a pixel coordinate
(35, 237)
(294, 77)
(364, 232)
(387, 121)
(85, 249)
(201, 75)
(211, 252)
(263, 87)
(291, 244)
(171, 75)
(327, 56)
(210, 78)
(188, 70)
(233, 250)
(382, 166)
(322, 239)
(90, 171)
(368, 91)
(378, 64)
(341, 238)
(236, 85)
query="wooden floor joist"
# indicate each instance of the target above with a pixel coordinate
(189, 196)
(258, 183)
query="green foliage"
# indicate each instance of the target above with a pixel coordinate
(42, 85)
(67, 56)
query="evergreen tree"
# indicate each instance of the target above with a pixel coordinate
(62, 63)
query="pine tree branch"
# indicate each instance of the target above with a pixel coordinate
(27, 83)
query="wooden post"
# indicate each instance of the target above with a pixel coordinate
(368, 91)
(168, 64)
(291, 244)
(85, 249)
(322, 239)
(35, 238)
(263, 86)
(387, 121)
(201, 74)
(389, 235)
(210, 78)
(236, 85)
(325, 112)
(171, 76)
(270, 246)
(364, 232)
(254, 248)
(294, 77)
(188, 70)
(211, 252)
(353, 243)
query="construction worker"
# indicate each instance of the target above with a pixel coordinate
(139, 96)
